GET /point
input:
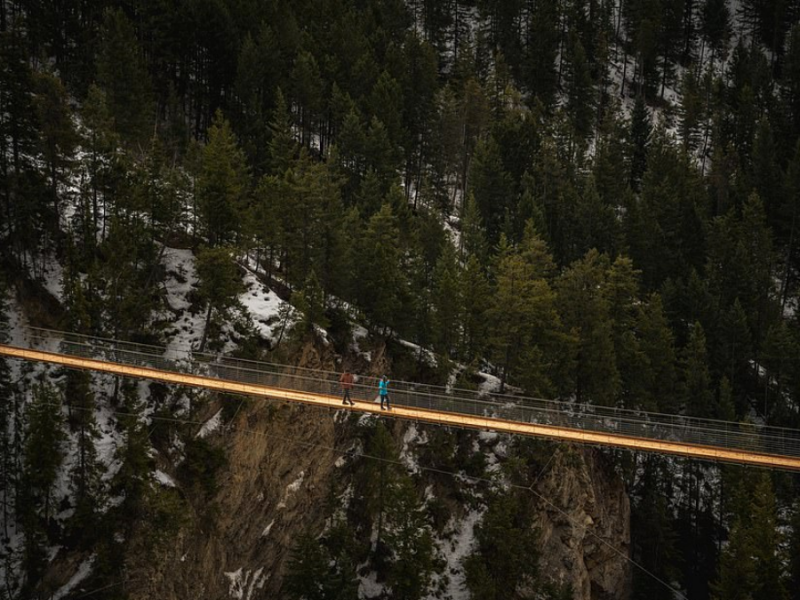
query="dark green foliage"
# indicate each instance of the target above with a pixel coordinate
(219, 286)
(221, 185)
(505, 560)
(123, 76)
(201, 465)
(359, 136)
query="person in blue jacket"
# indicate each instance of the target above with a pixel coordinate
(383, 392)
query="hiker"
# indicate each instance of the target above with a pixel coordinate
(383, 391)
(346, 381)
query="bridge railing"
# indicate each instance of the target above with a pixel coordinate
(736, 436)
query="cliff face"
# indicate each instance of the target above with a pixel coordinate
(585, 525)
(277, 485)
(272, 490)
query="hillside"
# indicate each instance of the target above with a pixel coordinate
(588, 200)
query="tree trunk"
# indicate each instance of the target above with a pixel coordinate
(205, 329)
(788, 260)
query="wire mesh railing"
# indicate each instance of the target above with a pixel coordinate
(654, 426)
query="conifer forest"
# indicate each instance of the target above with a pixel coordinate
(590, 201)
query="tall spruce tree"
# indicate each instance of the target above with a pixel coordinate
(221, 185)
(122, 74)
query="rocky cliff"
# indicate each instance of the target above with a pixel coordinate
(277, 483)
(585, 525)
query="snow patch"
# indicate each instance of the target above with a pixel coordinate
(165, 479)
(455, 550)
(244, 583)
(271, 316)
(82, 573)
(211, 425)
(292, 489)
(268, 528)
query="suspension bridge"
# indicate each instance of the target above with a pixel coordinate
(705, 439)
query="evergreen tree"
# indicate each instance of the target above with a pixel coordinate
(585, 312)
(580, 92)
(492, 188)
(8, 460)
(219, 286)
(307, 572)
(691, 111)
(447, 301)
(737, 568)
(133, 477)
(86, 474)
(282, 148)
(697, 396)
(410, 541)
(379, 280)
(44, 451)
(653, 530)
(542, 45)
(58, 137)
(659, 379)
(793, 584)
(522, 315)
(311, 303)
(506, 555)
(475, 298)
(640, 140)
(100, 143)
(221, 185)
(123, 76)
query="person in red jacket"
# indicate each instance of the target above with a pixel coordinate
(346, 381)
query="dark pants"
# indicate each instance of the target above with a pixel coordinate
(347, 397)
(385, 398)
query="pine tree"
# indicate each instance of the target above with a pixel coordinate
(737, 568)
(8, 460)
(735, 342)
(473, 236)
(307, 572)
(380, 477)
(793, 583)
(657, 345)
(696, 381)
(86, 474)
(409, 539)
(653, 530)
(122, 74)
(311, 303)
(492, 188)
(58, 137)
(447, 301)
(767, 542)
(100, 143)
(132, 478)
(640, 140)
(44, 451)
(379, 280)
(585, 310)
(307, 91)
(282, 148)
(522, 315)
(506, 555)
(221, 185)
(219, 286)
(542, 45)
(476, 299)
(691, 111)
(580, 92)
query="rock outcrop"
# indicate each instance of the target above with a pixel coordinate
(585, 525)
